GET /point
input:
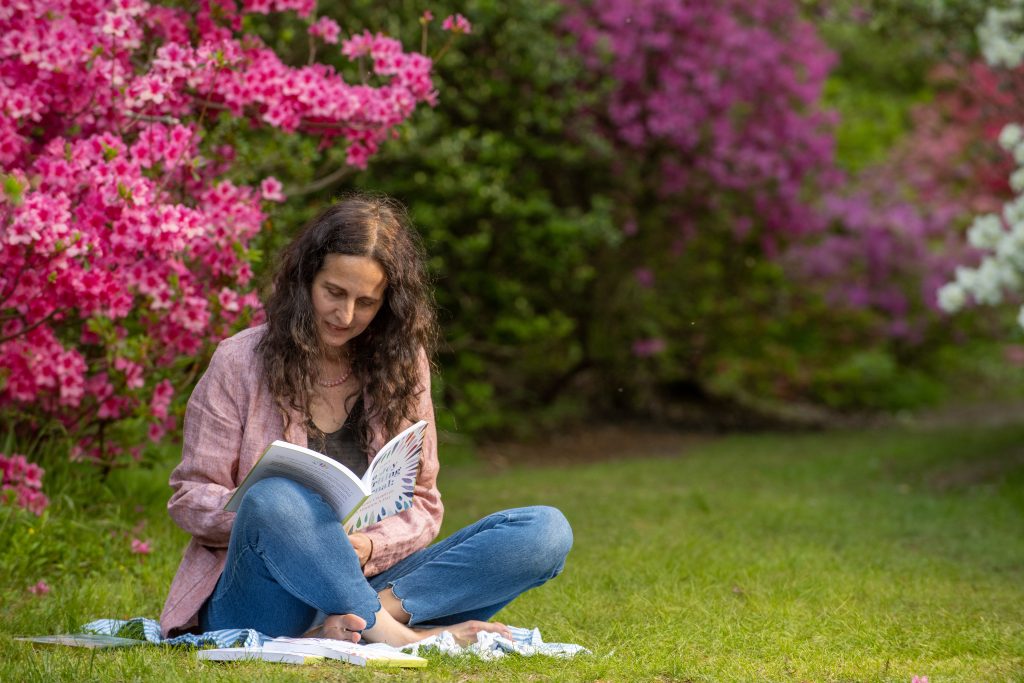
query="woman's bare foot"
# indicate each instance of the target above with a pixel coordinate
(339, 627)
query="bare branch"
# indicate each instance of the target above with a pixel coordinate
(332, 178)
(29, 328)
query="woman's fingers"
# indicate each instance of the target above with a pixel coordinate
(466, 632)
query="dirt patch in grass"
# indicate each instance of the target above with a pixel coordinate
(669, 438)
(990, 470)
(604, 442)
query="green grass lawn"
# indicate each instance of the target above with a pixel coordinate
(853, 556)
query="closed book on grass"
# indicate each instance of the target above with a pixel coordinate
(88, 640)
(306, 650)
(238, 654)
(376, 655)
(385, 489)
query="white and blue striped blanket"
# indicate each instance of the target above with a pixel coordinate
(525, 641)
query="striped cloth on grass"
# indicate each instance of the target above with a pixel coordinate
(140, 628)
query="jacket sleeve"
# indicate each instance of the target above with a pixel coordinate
(398, 536)
(211, 442)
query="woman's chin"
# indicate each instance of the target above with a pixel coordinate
(334, 340)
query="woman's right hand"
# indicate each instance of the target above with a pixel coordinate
(465, 632)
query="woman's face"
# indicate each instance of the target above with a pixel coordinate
(347, 292)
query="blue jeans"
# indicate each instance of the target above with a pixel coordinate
(289, 558)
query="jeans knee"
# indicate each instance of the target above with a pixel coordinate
(274, 501)
(552, 537)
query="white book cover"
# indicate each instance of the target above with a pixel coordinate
(385, 489)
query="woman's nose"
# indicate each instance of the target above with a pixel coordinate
(346, 311)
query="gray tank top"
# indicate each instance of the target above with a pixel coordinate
(343, 444)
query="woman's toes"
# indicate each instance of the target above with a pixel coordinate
(343, 627)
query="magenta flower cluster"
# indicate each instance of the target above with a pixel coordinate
(717, 97)
(25, 480)
(123, 239)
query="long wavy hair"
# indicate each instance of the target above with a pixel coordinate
(385, 357)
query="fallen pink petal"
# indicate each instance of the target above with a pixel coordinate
(141, 547)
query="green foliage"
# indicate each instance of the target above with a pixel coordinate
(505, 186)
(886, 51)
(874, 379)
(870, 121)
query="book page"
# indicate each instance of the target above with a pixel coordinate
(391, 478)
(342, 489)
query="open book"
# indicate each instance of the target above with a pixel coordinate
(385, 489)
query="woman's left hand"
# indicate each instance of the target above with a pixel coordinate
(363, 547)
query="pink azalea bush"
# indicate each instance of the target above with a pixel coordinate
(24, 481)
(124, 239)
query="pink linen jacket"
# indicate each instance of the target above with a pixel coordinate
(230, 420)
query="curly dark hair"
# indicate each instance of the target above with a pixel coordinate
(385, 357)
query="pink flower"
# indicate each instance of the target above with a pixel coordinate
(1014, 354)
(41, 588)
(644, 277)
(140, 547)
(427, 17)
(161, 399)
(645, 348)
(270, 188)
(25, 480)
(457, 23)
(326, 29)
(919, 679)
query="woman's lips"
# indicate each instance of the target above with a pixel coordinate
(335, 328)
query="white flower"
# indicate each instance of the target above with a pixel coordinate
(1008, 276)
(1013, 213)
(987, 288)
(985, 232)
(1010, 248)
(1017, 180)
(1011, 136)
(952, 297)
(1020, 317)
(998, 36)
(966, 278)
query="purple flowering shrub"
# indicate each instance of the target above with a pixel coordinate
(713, 103)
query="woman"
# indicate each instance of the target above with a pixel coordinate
(341, 365)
